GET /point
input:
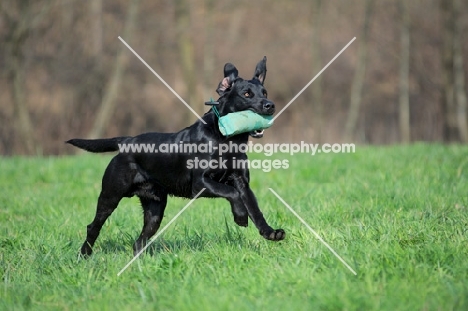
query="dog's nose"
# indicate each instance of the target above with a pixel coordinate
(268, 105)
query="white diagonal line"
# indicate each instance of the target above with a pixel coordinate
(162, 80)
(160, 232)
(313, 79)
(315, 233)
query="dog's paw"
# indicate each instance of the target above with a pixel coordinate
(86, 250)
(274, 235)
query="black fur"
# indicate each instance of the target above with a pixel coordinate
(154, 176)
(98, 145)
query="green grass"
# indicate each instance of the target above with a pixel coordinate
(397, 215)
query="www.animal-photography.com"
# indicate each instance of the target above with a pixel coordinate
(233, 155)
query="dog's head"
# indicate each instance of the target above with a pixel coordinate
(237, 94)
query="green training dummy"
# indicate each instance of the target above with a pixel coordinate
(242, 122)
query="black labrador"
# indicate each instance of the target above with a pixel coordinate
(152, 176)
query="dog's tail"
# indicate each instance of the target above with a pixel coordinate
(98, 145)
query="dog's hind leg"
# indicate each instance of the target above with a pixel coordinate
(106, 205)
(153, 204)
(116, 183)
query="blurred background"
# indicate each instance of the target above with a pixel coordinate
(64, 73)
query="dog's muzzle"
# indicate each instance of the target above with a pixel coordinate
(268, 108)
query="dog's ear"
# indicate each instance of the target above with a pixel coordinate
(260, 70)
(230, 74)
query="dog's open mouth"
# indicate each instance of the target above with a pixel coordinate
(256, 133)
(259, 133)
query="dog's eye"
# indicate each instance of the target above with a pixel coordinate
(247, 94)
(265, 93)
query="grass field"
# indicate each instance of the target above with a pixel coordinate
(397, 215)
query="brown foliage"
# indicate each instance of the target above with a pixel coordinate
(66, 71)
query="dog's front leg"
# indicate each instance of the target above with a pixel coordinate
(240, 196)
(221, 190)
(250, 202)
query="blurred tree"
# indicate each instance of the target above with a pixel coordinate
(316, 67)
(208, 49)
(96, 27)
(187, 57)
(404, 108)
(359, 74)
(66, 14)
(450, 129)
(20, 17)
(459, 72)
(109, 97)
